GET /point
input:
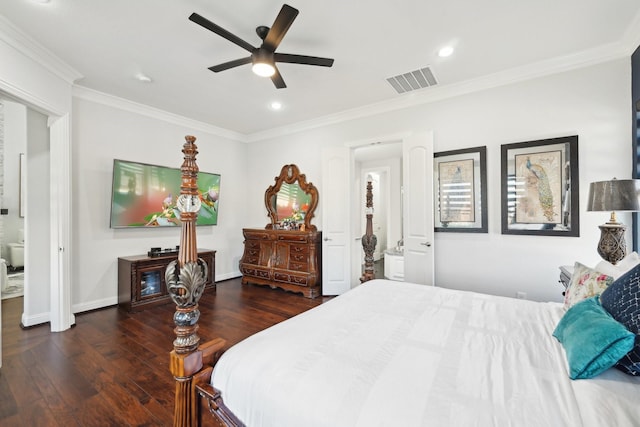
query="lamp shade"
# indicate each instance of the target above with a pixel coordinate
(614, 195)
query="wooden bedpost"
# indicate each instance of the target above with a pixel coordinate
(369, 239)
(185, 279)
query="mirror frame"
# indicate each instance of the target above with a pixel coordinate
(291, 174)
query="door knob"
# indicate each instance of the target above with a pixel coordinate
(427, 244)
(326, 239)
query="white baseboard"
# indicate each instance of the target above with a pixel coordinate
(93, 305)
(36, 319)
(228, 276)
(101, 303)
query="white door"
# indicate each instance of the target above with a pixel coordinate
(61, 317)
(417, 154)
(336, 247)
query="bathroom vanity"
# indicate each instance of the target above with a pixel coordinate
(394, 264)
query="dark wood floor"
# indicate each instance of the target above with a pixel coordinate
(111, 369)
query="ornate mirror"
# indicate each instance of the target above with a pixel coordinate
(291, 201)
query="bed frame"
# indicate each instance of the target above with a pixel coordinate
(190, 362)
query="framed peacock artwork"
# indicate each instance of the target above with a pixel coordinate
(540, 187)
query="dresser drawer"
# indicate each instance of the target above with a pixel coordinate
(293, 237)
(297, 266)
(298, 249)
(294, 279)
(299, 257)
(252, 244)
(261, 273)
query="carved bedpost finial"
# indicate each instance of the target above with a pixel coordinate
(369, 239)
(186, 277)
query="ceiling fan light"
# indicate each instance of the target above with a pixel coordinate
(263, 69)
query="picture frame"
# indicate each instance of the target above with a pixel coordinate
(540, 187)
(460, 190)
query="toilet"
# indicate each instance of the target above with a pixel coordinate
(16, 252)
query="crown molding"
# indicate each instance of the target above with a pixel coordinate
(27, 46)
(601, 54)
(155, 113)
(631, 37)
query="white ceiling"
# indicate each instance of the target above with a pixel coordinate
(108, 42)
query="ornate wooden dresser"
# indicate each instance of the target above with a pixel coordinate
(286, 253)
(283, 258)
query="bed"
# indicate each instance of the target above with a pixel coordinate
(393, 353)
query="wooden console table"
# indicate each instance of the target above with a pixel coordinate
(141, 281)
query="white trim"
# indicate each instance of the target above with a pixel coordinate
(228, 276)
(631, 37)
(577, 60)
(27, 46)
(16, 94)
(60, 224)
(94, 305)
(394, 137)
(155, 113)
(573, 61)
(107, 302)
(34, 319)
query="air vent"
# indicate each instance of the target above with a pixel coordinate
(413, 80)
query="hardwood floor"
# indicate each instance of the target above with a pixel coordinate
(111, 369)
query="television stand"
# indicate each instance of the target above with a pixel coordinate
(141, 281)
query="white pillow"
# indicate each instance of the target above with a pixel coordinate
(615, 271)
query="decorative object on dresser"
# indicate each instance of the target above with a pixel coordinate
(286, 254)
(612, 196)
(369, 239)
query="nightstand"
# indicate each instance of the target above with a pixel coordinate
(566, 271)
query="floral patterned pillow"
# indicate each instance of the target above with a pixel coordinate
(585, 283)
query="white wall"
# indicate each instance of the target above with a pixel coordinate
(592, 103)
(15, 137)
(102, 133)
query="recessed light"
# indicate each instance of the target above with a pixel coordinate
(445, 51)
(143, 78)
(275, 105)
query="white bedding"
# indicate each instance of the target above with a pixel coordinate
(400, 354)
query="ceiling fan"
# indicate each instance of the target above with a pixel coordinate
(264, 58)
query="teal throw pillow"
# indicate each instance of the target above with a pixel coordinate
(592, 339)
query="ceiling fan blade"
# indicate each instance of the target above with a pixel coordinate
(277, 79)
(302, 59)
(230, 64)
(204, 22)
(280, 27)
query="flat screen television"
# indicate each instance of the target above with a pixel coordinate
(145, 195)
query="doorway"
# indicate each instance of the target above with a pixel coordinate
(341, 212)
(381, 161)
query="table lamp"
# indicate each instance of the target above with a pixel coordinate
(614, 195)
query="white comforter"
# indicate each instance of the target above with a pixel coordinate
(400, 354)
